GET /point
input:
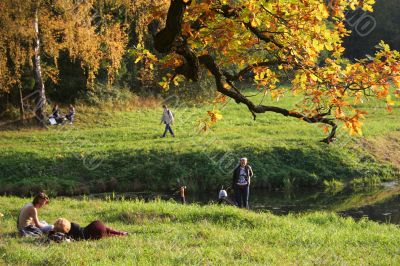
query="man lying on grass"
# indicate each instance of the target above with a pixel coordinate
(28, 222)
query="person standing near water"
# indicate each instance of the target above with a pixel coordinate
(167, 118)
(241, 183)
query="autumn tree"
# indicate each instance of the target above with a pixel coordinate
(275, 41)
(44, 28)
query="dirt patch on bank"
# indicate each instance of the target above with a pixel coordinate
(384, 148)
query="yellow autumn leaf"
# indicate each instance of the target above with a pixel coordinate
(138, 59)
(397, 93)
(389, 100)
(328, 46)
(313, 77)
(214, 115)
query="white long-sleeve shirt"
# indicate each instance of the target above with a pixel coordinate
(167, 117)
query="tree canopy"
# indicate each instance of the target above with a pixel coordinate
(267, 42)
(31, 29)
(276, 41)
(64, 26)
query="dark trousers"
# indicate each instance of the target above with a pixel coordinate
(97, 230)
(226, 201)
(168, 128)
(70, 117)
(242, 196)
(59, 119)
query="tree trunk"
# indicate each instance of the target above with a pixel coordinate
(21, 106)
(41, 98)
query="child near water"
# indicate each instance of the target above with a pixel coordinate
(222, 196)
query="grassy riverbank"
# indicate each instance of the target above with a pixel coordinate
(122, 151)
(165, 233)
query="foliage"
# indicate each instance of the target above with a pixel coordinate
(10, 113)
(278, 40)
(333, 184)
(169, 234)
(114, 26)
(288, 184)
(103, 94)
(366, 182)
(64, 26)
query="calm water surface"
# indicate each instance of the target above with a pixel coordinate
(381, 204)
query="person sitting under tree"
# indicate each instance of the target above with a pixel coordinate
(71, 114)
(58, 119)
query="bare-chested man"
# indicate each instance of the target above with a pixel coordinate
(28, 221)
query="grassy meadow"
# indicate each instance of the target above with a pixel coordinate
(166, 233)
(113, 150)
(110, 149)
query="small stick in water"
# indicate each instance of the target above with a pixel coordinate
(182, 190)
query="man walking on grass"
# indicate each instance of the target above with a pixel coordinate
(167, 118)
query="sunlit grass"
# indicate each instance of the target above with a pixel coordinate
(165, 233)
(126, 146)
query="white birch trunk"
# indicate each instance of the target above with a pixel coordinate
(41, 98)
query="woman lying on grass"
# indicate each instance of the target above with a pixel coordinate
(95, 230)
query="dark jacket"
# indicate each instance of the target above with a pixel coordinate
(95, 230)
(236, 174)
(71, 111)
(76, 232)
(56, 113)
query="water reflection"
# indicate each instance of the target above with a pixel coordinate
(387, 211)
(380, 204)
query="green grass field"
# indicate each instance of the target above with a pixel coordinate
(122, 151)
(166, 233)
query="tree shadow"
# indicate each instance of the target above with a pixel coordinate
(154, 170)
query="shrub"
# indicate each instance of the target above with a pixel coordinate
(368, 181)
(105, 94)
(333, 185)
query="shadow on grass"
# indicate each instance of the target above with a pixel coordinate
(10, 235)
(219, 217)
(151, 170)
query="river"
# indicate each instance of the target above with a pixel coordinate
(380, 204)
